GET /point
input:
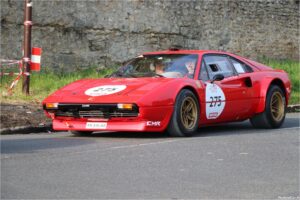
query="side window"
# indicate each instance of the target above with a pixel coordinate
(240, 67)
(203, 72)
(218, 64)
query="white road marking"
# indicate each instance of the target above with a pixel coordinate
(142, 144)
(286, 128)
(243, 153)
(5, 157)
(125, 146)
(93, 150)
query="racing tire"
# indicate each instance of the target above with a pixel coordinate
(81, 133)
(275, 110)
(185, 119)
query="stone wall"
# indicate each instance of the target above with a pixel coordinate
(105, 32)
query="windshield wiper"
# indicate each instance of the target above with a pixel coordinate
(159, 75)
(120, 74)
(131, 75)
(116, 74)
(153, 74)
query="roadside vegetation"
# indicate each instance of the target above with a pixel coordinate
(293, 69)
(46, 82)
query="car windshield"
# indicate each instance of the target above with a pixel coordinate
(162, 65)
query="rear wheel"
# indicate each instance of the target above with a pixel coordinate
(185, 118)
(275, 109)
(81, 133)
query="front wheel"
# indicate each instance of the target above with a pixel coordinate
(275, 110)
(185, 118)
(81, 133)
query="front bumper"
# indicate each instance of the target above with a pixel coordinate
(152, 119)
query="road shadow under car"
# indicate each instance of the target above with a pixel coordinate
(233, 128)
(245, 127)
(141, 135)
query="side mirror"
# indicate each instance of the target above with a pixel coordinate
(217, 77)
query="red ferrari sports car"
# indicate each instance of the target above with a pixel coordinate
(174, 90)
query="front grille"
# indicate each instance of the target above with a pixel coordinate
(94, 111)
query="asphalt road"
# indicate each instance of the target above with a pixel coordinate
(228, 161)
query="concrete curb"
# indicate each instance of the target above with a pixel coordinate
(26, 129)
(293, 108)
(48, 127)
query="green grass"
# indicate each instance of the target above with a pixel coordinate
(293, 70)
(45, 82)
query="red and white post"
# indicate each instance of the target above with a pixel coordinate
(35, 64)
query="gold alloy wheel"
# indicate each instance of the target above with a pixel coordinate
(188, 112)
(277, 106)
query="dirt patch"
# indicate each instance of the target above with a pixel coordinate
(14, 115)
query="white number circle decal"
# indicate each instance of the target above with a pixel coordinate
(104, 90)
(215, 101)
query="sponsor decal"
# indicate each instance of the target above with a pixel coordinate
(104, 90)
(213, 115)
(153, 123)
(215, 101)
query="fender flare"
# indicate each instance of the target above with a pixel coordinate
(264, 87)
(192, 87)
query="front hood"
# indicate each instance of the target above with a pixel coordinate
(107, 90)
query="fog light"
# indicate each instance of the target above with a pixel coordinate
(125, 106)
(51, 105)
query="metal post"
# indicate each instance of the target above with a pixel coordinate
(27, 45)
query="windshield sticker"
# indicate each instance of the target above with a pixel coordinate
(215, 101)
(104, 90)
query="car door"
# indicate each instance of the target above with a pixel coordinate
(228, 99)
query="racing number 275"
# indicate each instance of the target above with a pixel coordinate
(215, 101)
